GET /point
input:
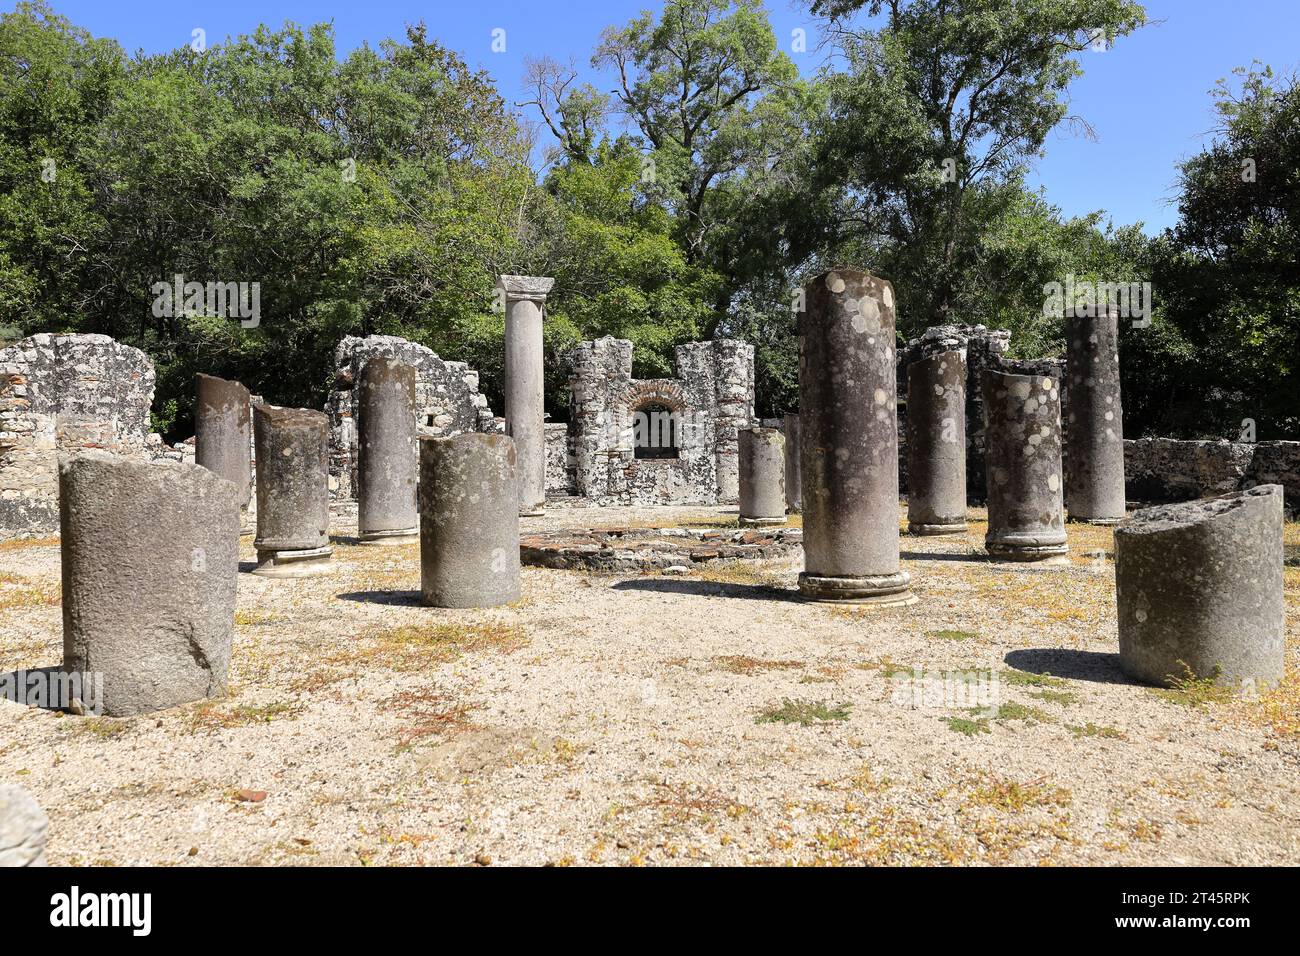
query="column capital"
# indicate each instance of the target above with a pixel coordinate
(525, 287)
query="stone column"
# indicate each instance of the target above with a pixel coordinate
(762, 476)
(1199, 589)
(293, 499)
(936, 444)
(387, 458)
(849, 441)
(524, 384)
(1094, 430)
(1022, 435)
(150, 555)
(793, 491)
(223, 434)
(469, 521)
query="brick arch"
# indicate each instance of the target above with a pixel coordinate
(654, 392)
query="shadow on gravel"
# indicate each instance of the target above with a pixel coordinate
(397, 598)
(1095, 666)
(754, 592)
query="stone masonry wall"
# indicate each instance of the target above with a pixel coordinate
(1166, 469)
(712, 398)
(60, 394)
(447, 398)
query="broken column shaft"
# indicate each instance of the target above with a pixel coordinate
(762, 476)
(293, 502)
(936, 444)
(387, 458)
(1022, 425)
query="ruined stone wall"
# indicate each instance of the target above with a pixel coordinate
(60, 394)
(712, 398)
(559, 470)
(1166, 469)
(448, 401)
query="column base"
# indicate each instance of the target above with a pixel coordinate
(1027, 553)
(746, 522)
(934, 530)
(399, 536)
(535, 512)
(878, 590)
(1100, 522)
(295, 564)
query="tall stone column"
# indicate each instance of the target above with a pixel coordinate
(849, 437)
(293, 499)
(150, 561)
(1094, 430)
(762, 476)
(524, 385)
(469, 522)
(223, 434)
(1022, 428)
(936, 444)
(793, 491)
(388, 464)
(1199, 590)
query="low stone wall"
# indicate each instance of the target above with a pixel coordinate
(60, 394)
(447, 399)
(1166, 469)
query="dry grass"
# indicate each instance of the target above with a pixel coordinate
(748, 666)
(429, 713)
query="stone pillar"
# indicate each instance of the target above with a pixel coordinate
(793, 491)
(936, 444)
(762, 476)
(1199, 589)
(223, 435)
(1094, 430)
(150, 555)
(469, 521)
(524, 384)
(1022, 435)
(849, 441)
(293, 499)
(23, 826)
(387, 458)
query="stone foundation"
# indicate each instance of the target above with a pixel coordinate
(447, 400)
(1166, 469)
(60, 394)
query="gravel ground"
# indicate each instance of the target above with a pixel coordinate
(661, 719)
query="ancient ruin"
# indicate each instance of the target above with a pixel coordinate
(849, 435)
(1094, 423)
(658, 441)
(1199, 591)
(793, 471)
(1023, 448)
(293, 511)
(23, 828)
(387, 460)
(762, 477)
(525, 306)
(153, 612)
(60, 394)
(671, 550)
(936, 444)
(223, 434)
(469, 521)
(447, 400)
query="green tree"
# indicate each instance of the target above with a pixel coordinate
(931, 124)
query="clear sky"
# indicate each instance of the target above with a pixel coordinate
(1147, 98)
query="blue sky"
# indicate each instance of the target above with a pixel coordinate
(1147, 98)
